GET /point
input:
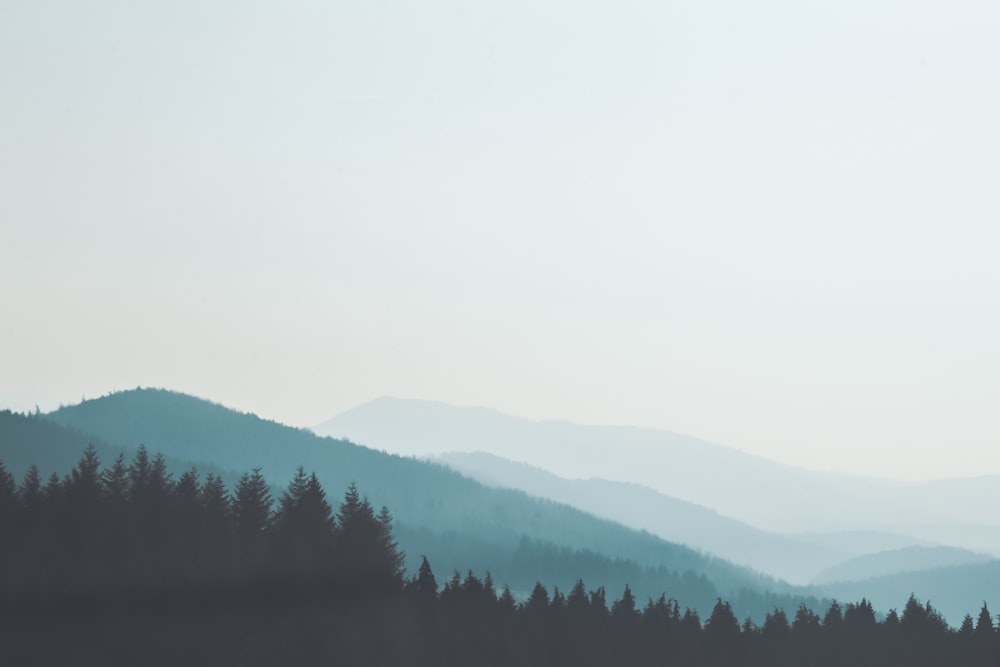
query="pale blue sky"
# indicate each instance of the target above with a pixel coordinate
(771, 225)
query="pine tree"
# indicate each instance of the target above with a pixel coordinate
(967, 629)
(395, 560)
(304, 527)
(30, 492)
(506, 604)
(186, 490)
(366, 554)
(138, 474)
(424, 586)
(722, 626)
(291, 498)
(8, 495)
(160, 481)
(215, 499)
(8, 512)
(984, 624)
(536, 606)
(576, 602)
(53, 492)
(84, 488)
(251, 512)
(624, 610)
(115, 482)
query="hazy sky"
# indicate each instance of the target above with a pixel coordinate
(769, 224)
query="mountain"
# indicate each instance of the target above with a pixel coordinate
(27, 440)
(457, 522)
(908, 559)
(767, 495)
(642, 508)
(954, 591)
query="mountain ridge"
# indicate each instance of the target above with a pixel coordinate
(736, 484)
(491, 523)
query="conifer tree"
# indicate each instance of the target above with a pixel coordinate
(214, 498)
(251, 511)
(967, 628)
(984, 624)
(538, 602)
(304, 527)
(84, 488)
(53, 491)
(395, 560)
(776, 627)
(30, 492)
(8, 495)
(576, 602)
(115, 482)
(8, 512)
(187, 489)
(424, 585)
(506, 603)
(624, 610)
(722, 626)
(138, 476)
(364, 559)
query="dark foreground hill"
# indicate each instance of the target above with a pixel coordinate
(456, 522)
(126, 567)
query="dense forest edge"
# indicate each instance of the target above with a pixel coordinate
(456, 522)
(125, 564)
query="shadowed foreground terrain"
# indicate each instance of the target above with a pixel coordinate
(126, 566)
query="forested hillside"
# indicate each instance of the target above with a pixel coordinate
(456, 522)
(123, 565)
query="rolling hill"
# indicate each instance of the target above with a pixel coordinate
(764, 494)
(895, 561)
(954, 591)
(642, 508)
(457, 522)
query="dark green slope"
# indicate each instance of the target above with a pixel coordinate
(455, 521)
(954, 591)
(27, 440)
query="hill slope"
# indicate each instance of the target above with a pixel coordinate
(454, 520)
(954, 591)
(747, 488)
(908, 559)
(642, 508)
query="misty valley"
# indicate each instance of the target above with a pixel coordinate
(150, 527)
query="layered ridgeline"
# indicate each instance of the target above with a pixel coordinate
(765, 494)
(456, 522)
(805, 559)
(884, 577)
(864, 551)
(898, 561)
(125, 566)
(643, 508)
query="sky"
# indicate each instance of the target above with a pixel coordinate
(772, 225)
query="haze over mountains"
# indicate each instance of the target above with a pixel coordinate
(796, 559)
(526, 524)
(764, 494)
(456, 522)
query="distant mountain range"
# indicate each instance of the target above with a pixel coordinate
(954, 591)
(471, 510)
(769, 496)
(796, 559)
(898, 561)
(457, 522)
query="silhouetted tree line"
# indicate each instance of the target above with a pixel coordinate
(127, 565)
(130, 533)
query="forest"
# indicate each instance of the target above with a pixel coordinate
(124, 564)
